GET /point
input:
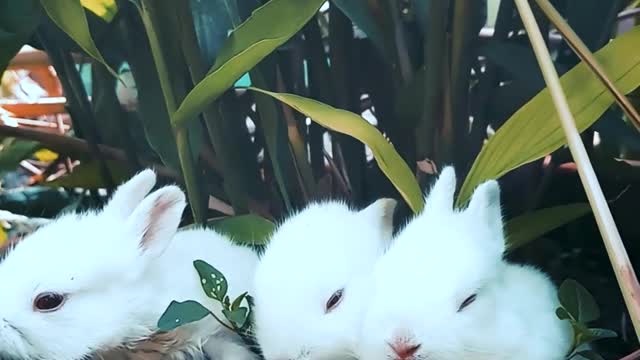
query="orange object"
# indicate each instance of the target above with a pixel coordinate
(44, 106)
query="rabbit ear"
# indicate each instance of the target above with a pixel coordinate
(381, 211)
(156, 219)
(484, 207)
(128, 195)
(441, 195)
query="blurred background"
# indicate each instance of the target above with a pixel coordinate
(436, 78)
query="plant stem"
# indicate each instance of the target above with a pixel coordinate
(581, 49)
(149, 14)
(618, 256)
(633, 356)
(435, 43)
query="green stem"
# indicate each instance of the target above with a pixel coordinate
(149, 14)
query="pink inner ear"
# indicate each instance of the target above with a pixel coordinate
(155, 219)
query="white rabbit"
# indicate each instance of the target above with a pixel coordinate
(92, 282)
(313, 280)
(443, 290)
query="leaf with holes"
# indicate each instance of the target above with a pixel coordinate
(213, 281)
(238, 316)
(578, 301)
(181, 313)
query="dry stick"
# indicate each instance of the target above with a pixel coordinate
(587, 57)
(633, 356)
(617, 254)
(73, 146)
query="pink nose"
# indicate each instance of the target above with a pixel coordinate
(404, 350)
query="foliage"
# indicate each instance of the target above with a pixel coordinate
(259, 107)
(215, 286)
(579, 307)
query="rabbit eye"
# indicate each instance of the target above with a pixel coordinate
(47, 302)
(334, 300)
(467, 302)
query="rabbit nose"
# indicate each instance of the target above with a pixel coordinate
(404, 350)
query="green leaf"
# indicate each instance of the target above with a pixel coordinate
(361, 14)
(348, 123)
(181, 313)
(18, 20)
(70, 17)
(589, 354)
(105, 9)
(535, 130)
(236, 303)
(578, 301)
(522, 229)
(87, 176)
(598, 333)
(269, 26)
(562, 314)
(237, 317)
(13, 151)
(213, 281)
(245, 229)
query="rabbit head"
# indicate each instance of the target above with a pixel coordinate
(76, 285)
(313, 279)
(434, 288)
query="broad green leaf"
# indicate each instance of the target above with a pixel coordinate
(18, 20)
(269, 26)
(213, 281)
(245, 229)
(578, 301)
(522, 229)
(535, 130)
(105, 9)
(348, 123)
(181, 313)
(87, 176)
(238, 316)
(70, 17)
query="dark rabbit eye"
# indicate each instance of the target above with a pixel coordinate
(334, 300)
(467, 302)
(47, 302)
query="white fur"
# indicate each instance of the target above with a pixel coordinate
(323, 248)
(436, 262)
(120, 268)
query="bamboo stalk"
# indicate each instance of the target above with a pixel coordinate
(587, 57)
(613, 243)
